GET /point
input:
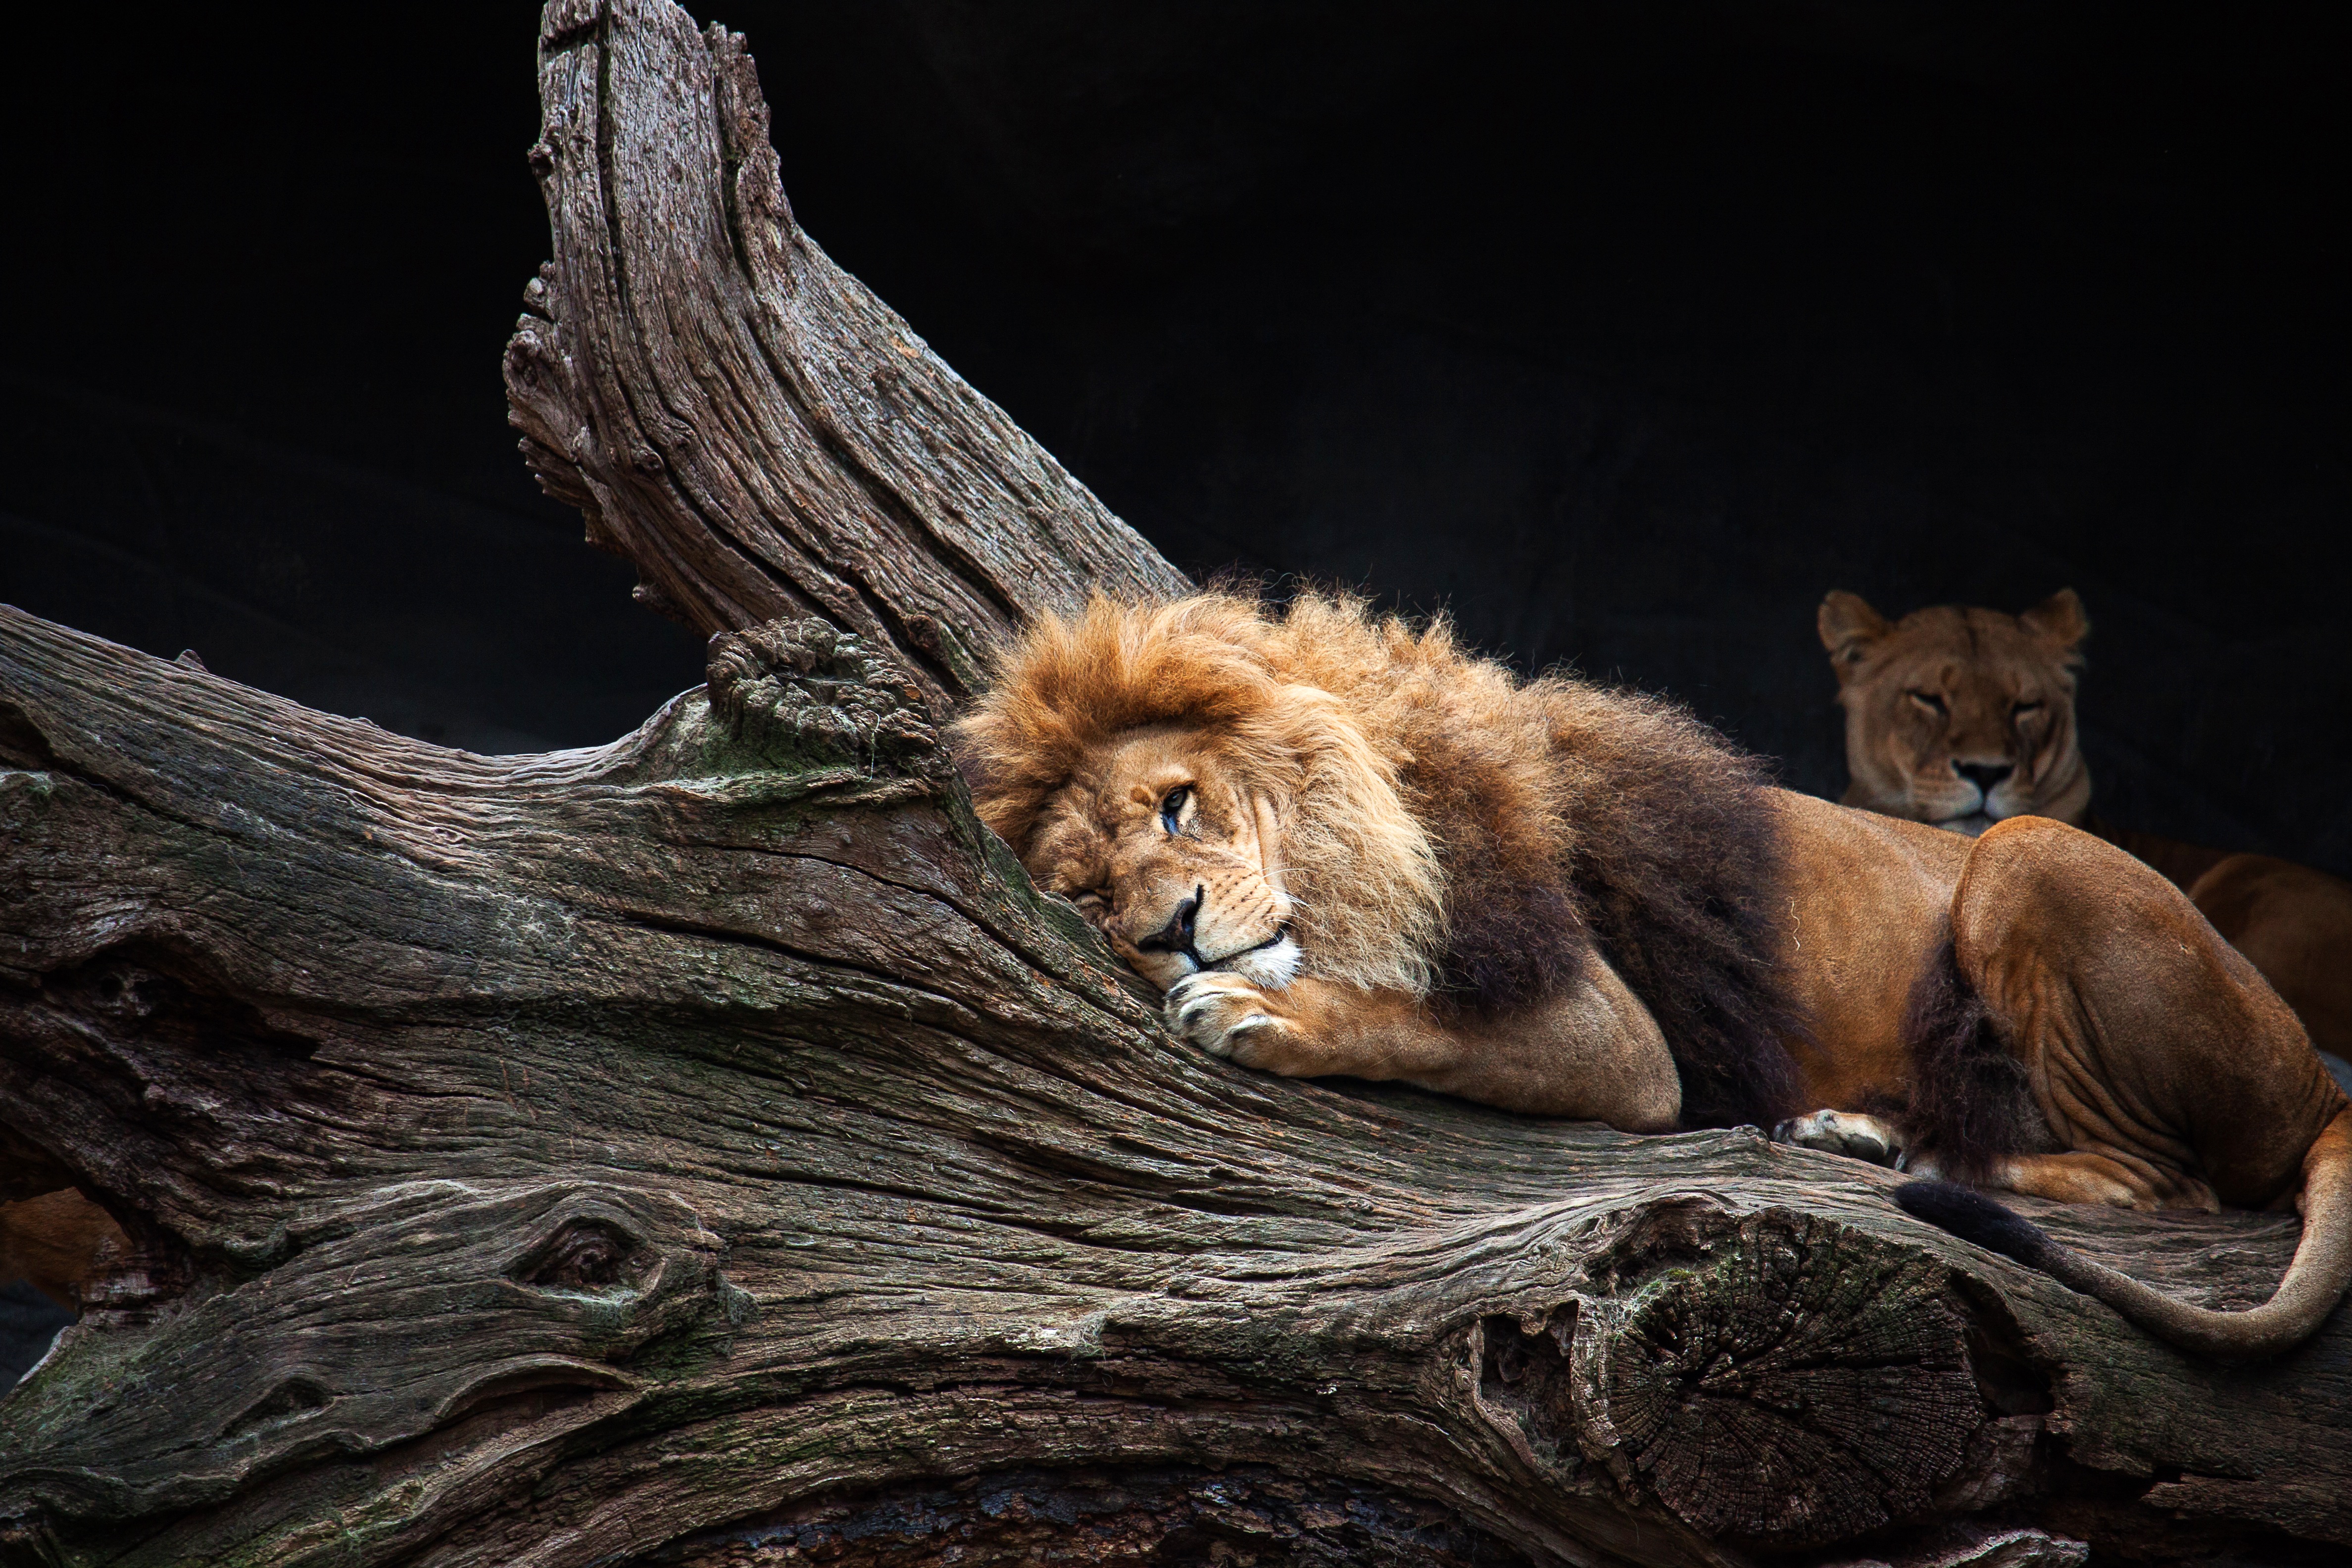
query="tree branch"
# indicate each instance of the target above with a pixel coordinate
(740, 417)
(711, 1144)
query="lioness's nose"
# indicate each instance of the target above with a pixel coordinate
(1984, 776)
(1176, 936)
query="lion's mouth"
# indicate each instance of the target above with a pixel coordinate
(1281, 934)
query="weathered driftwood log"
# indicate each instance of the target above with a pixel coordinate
(646, 1153)
(635, 1154)
(710, 1149)
(742, 419)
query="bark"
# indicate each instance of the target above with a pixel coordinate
(710, 1148)
(742, 419)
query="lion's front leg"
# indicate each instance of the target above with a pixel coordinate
(1591, 1052)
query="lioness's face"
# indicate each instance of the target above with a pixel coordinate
(1171, 860)
(1957, 716)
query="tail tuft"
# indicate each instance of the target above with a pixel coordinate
(1972, 1216)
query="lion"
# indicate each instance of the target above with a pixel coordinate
(57, 1241)
(1964, 717)
(1342, 844)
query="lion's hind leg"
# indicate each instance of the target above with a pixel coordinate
(2088, 1176)
(2075, 1177)
(1967, 1111)
(2167, 1073)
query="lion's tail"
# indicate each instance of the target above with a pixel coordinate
(2314, 1281)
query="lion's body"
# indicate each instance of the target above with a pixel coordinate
(1952, 699)
(1343, 845)
(2143, 1061)
(1451, 836)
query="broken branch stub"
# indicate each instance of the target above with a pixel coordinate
(1838, 1370)
(742, 419)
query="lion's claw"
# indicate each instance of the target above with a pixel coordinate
(1222, 1014)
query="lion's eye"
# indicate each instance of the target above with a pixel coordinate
(1927, 700)
(1171, 807)
(2025, 710)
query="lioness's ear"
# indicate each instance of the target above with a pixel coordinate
(1848, 626)
(2059, 620)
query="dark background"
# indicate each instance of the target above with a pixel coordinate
(1625, 330)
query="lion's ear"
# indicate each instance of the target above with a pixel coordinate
(2059, 620)
(1849, 626)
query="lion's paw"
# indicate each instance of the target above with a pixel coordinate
(1226, 1016)
(1843, 1132)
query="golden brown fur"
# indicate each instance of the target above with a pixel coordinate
(1362, 867)
(56, 1241)
(1449, 834)
(1952, 697)
(1344, 846)
(1957, 716)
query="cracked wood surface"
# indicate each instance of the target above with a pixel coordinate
(581, 1158)
(710, 1149)
(740, 417)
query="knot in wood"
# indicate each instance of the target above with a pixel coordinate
(801, 692)
(1794, 1384)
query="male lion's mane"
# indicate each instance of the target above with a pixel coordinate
(1448, 829)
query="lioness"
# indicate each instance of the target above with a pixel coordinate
(1964, 717)
(1342, 844)
(53, 1241)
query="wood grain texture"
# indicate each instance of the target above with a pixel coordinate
(612, 1156)
(742, 419)
(709, 1148)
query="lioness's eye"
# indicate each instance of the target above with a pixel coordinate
(2023, 708)
(1928, 699)
(1172, 806)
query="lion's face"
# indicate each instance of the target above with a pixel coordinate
(1957, 716)
(1172, 857)
(1192, 776)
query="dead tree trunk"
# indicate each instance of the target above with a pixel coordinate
(709, 1148)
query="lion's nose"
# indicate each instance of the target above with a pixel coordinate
(1176, 936)
(1986, 777)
